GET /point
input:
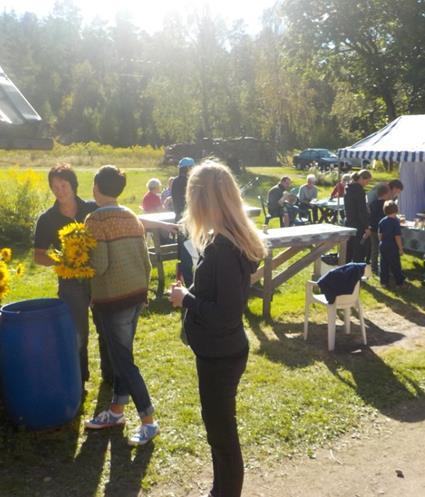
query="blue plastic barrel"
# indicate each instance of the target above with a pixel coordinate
(39, 363)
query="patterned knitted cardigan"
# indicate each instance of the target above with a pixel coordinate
(120, 258)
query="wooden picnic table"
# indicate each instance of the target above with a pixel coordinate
(160, 253)
(316, 239)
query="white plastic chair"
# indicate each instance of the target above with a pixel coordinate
(345, 302)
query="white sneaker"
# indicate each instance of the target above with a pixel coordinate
(144, 434)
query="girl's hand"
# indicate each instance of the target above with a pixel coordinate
(177, 294)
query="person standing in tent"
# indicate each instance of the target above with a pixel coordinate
(357, 216)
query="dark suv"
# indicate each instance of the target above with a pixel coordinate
(322, 156)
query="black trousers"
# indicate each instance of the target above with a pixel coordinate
(357, 247)
(390, 263)
(218, 385)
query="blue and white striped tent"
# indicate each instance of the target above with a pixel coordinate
(403, 141)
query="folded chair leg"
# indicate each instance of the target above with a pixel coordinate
(331, 326)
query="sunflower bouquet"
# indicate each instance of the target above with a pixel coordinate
(6, 271)
(73, 257)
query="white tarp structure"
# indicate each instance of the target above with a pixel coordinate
(403, 141)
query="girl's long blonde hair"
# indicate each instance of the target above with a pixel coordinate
(215, 206)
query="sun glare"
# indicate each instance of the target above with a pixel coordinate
(151, 15)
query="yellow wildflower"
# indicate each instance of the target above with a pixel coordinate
(6, 272)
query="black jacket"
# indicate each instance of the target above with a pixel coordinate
(217, 300)
(376, 213)
(356, 212)
(273, 197)
(178, 194)
(341, 280)
(52, 220)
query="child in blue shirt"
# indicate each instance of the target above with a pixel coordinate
(390, 245)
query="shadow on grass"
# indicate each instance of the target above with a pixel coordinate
(373, 380)
(51, 464)
(401, 302)
(377, 384)
(290, 348)
(125, 471)
(159, 305)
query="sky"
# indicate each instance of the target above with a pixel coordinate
(149, 14)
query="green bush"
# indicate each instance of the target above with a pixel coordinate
(23, 196)
(93, 149)
(327, 178)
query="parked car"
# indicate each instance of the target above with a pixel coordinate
(323, 157)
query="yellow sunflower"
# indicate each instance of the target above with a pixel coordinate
(55, 255)
(74, 255)
(4, 288)
(84, 272)
(6, 254)
(4, 273)
(71, 229)
(64, 272)
(71, 247)
(20, 269)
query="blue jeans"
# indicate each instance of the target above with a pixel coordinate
(118, 329)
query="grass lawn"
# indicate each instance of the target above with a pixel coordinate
(294, 397)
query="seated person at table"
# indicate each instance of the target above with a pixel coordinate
(339, 190)
(274, 197)
(306, 194)
(166, 198)
(152, 201)
(376, 209)
(290, 210)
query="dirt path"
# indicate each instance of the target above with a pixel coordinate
(388, 463)
(386, 459)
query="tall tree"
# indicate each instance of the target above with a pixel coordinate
(360, 41)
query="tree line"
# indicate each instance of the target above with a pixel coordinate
(322, 73)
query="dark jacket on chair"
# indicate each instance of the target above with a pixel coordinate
(341, 280)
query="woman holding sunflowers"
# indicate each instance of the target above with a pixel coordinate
(67, 209)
